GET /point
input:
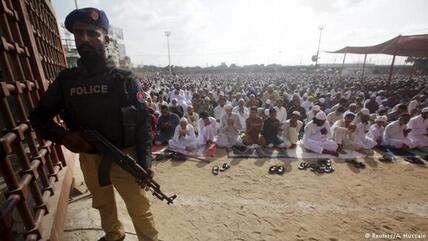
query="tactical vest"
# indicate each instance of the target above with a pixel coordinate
(98, 102)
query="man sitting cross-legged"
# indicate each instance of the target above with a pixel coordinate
(291, 129)
(271, 131)
(395, 134)
(252, 135)
(317, 136)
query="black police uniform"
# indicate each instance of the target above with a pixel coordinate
(96, 100)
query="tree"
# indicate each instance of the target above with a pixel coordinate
(420, 63)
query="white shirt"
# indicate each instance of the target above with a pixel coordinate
(281, 114)
(418, 126)
(313, 131)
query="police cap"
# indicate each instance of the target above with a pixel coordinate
(87, 15)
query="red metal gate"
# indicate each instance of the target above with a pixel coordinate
(30, 57)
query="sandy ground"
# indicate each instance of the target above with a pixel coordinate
(247, 203)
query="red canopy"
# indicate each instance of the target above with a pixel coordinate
(412, 45)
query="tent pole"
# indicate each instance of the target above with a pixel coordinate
(343, 65)
(412, 69)
(364, 67)
(390, 73)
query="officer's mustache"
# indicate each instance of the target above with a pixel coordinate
(90, 53)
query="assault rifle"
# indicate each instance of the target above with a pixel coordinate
(112, 154)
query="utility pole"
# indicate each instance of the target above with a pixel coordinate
(321, 28)
(75, 4)
(167, 34)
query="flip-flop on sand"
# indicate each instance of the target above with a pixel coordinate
(280, 170)
(357, 164)
(414, 160)
(273, 169)
(303, 166)
(385, 158)
(224, 167)
(215, 170)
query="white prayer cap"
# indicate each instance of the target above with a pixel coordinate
(296, 113)
(322, 100)
(413, 104)
(268, 101)
(316, 108)
(182, 119)
(174, 99)
(381, 118)
(373, 95)
(321, 115)
(207, 98)
(381, 108)
(252, 95)
(241, 100)
(227, 107)
(425, 110)
(353, 104)
(365, 111)
(305, 95)
(348, 113)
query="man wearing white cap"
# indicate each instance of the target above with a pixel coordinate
(281, 112)
(376, 130)
(219, 109)
(395, 134)
(242, 112)
(192, 117)
(179, 96)
(310, 115)
(207, 129)
(362, 124)
(317, 136)
(336, 115)
(342, 130)
(229, 128)
(291, 129)
(184, 138)
(418, 126)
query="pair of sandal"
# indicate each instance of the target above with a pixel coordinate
(356, 164)
(321, 166)
(216, 169)
(414, 160)
(276, 170)
(386, 158)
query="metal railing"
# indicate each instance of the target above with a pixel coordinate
(31, 55)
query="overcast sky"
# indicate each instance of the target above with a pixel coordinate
(208, 32)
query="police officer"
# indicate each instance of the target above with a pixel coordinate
(96, 95)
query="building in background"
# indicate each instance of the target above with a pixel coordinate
(115, 50)
(69, 46)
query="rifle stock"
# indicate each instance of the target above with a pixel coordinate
(113, 154)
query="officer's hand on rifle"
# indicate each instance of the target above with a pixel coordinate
(75, 143)
(151, 175)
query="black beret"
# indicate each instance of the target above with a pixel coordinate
(87, 15)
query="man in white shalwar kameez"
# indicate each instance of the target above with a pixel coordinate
(362, 124)
(419, 129)
(395, 134)
(207, 129)
(184, 138)
(242, 112)
(342, 129)
(229, 134)
(317, 136)
(291, 129)
(311, 114)
(376, 130)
